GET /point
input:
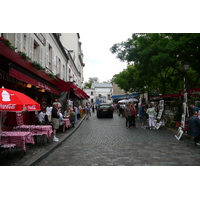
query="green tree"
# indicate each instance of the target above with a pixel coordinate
(88, 84)
(158, 61)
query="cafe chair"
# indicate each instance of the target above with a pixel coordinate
(7, 147)
(36, 135)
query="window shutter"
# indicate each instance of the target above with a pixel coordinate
(47, 54)
(18, 41)
(52, 62)
(41, 56)
(31, 47)
(61, 71)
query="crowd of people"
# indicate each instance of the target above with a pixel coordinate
(147, 114)
(53, 115)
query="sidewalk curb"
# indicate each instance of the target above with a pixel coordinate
(51, 147)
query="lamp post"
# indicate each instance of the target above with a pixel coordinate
(185, 66)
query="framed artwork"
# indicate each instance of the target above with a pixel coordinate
(179, 133)
(158, 124)
(159, 114)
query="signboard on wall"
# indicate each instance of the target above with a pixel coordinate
(19, 118)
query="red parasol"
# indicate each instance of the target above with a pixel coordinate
(11, 100)
(14, 101)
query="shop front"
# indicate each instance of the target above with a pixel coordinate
(20, 75)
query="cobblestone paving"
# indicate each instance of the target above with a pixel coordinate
(107, 142)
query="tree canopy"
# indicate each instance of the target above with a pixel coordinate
(88, 84)
(154, 62)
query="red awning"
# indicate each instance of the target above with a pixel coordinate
(170, 95)
(190, 92)
(65, 87)
(18, 75)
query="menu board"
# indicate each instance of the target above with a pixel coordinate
(19, 118)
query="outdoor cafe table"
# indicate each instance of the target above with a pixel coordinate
(19, 138)
(67, 122)
(42, 129)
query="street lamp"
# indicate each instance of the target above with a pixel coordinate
(185, 67)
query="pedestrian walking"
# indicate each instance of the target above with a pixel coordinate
(143, 115)
(121, 110)
(87, 110)
(151, 113)
(55, 114)
(93, 107)
(133, 113)
(76, 113)
(194, 127)
(127, 113)
(140, 112)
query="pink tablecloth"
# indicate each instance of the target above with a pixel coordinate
(67, 122)
(18, 138)
(43, 129)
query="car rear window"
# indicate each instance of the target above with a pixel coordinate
(105, 106)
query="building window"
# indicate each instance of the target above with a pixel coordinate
(91, 93)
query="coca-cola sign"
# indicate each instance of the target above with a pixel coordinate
(7, 106)
(31, 107)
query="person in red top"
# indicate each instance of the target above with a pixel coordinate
(133, 113)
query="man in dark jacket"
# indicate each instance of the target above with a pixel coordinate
(194, 127)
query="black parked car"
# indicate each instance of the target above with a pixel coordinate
(104, 110)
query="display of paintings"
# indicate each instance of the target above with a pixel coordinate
(159, 114)
(183, 121)
(158, 124)
(179, 133)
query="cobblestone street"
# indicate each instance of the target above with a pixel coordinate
(107, 142)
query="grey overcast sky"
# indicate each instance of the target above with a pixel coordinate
(99, 61)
